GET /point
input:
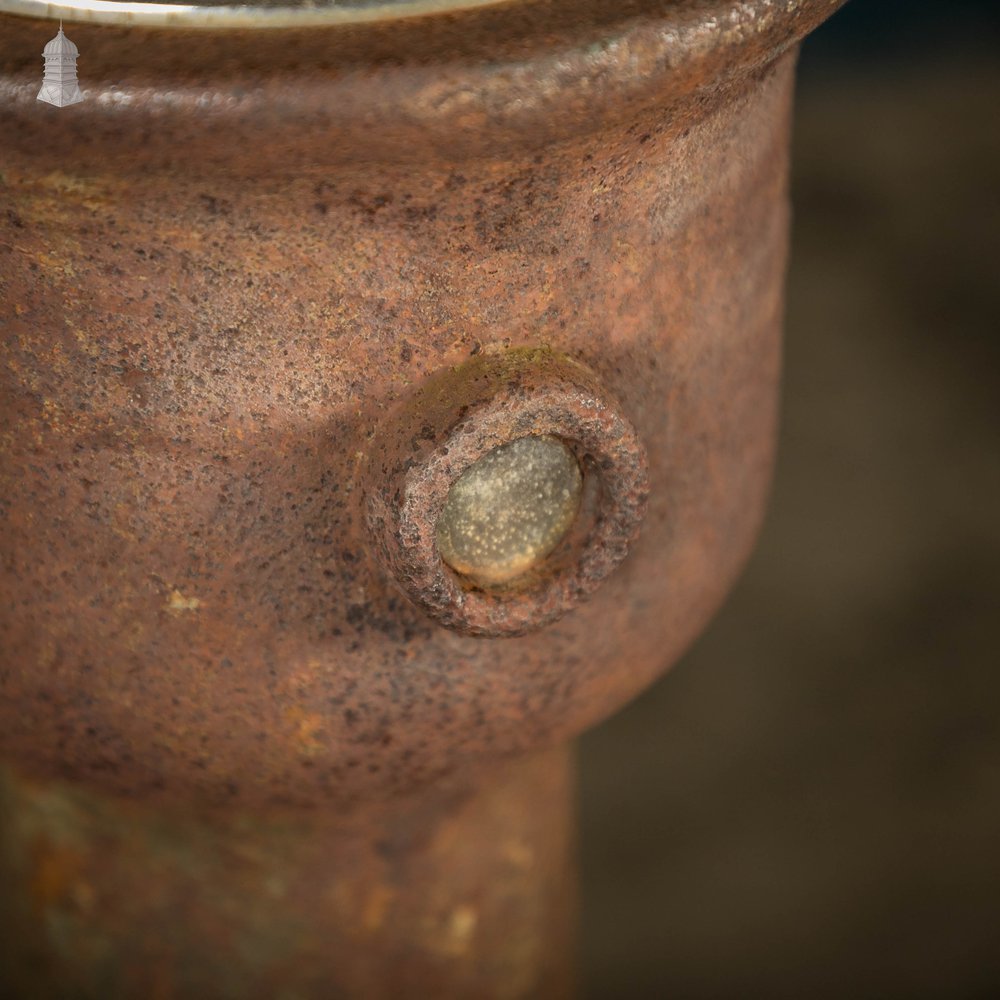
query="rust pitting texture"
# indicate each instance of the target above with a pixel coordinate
(459, 416)
(207, 315)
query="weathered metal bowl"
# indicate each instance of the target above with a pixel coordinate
(248, 286)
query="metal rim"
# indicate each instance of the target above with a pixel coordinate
(282, 14)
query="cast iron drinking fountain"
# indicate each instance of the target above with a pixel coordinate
(388, 395)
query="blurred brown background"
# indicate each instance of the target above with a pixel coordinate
(809, 804)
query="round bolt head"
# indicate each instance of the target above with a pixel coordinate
(510, 509)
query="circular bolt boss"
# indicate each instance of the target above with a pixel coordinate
(453, 465)
(388, 394)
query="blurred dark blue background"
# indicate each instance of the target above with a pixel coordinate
(876, 31)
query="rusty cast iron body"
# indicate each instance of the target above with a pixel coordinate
(264, 296)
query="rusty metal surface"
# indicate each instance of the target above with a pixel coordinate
(464, 893)
(220, 273)
(435, 91)
(207, 312)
